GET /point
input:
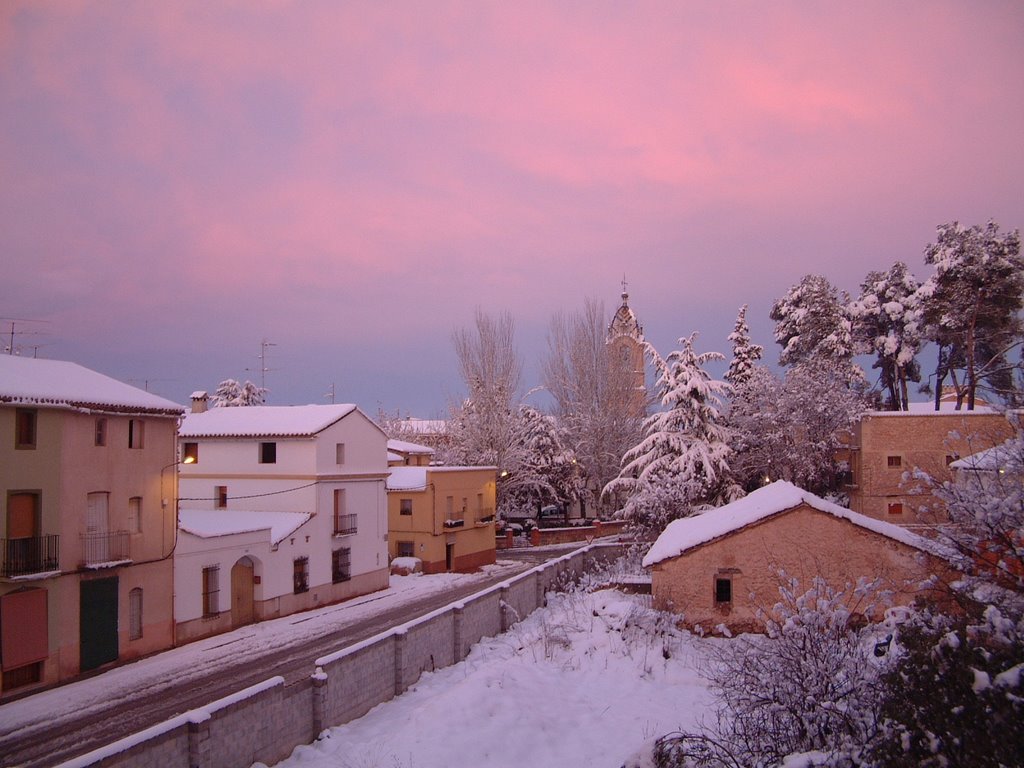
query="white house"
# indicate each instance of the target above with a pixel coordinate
(282, 508)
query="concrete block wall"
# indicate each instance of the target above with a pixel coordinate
(424, 647)
(265, 722)
(481, 617)
(359, 681)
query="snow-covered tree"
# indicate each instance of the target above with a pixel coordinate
(971, 306)
(812, 324)
(542, 471)
(231, 393)
(682, 461)
(595, 397)
(887, 323)
(791, 428)
(745, 353)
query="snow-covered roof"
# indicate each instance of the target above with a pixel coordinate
(946, 408)
(63, 384)
(689, 532)
(413, 449)
(407, 479)
(415, 478)
(208, 523)
(1006, 456)
(263, 420)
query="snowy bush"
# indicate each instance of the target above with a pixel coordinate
(810, 685)
(955, 697)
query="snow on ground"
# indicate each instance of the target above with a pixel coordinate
(68, 702)
(587, 681)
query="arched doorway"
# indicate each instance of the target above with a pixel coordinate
(242, 592)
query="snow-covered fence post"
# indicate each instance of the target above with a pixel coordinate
(457, 611)
(504, 607)
(199, 741)
(320, 681)
(400, 641)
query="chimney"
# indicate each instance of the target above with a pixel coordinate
(199, 399)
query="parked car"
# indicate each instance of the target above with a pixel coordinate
(552, 516)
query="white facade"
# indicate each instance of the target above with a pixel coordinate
(282, 492)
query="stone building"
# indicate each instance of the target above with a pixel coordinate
(720, 567)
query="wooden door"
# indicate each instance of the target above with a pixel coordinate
(242, 592)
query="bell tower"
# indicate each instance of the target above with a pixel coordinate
(626, 339)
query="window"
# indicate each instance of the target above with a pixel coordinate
(895, 507)
(341, 565)
(100, 436)
(221, 497)
(268, 453)
(723, 590)
(449, 508)
(135, 514)
(894, 461)
(405, 549)
(190, 453)
(339, 453)
(25, 428)
(300, 575)
(344, 523)
(136, 430)
(135, 613)
(405, 506)
(211, 590)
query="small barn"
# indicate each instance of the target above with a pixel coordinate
(719, 567)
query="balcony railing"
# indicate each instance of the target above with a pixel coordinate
(345, 524)
(98, 548)
(34, 554)
(484, 516)
(456, 522)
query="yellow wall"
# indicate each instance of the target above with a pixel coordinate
(473, 541)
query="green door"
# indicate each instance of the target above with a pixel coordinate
(98, 622)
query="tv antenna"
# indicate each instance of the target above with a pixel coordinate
(11, 349)
(263, 362)
(331, 393)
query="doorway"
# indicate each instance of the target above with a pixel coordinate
(449, 556)
(242, 593)
(97, 622)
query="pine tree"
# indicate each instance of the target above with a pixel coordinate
(745, 354)
(887, 323)
(971, 305)
(230, 393)
(812, 323)
(681, 465)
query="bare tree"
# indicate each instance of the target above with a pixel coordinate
(597, 404)
(483, 425)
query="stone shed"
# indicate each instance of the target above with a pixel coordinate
(718, 567)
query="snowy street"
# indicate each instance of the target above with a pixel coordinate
(72, 719)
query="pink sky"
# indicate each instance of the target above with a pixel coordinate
(350, 180)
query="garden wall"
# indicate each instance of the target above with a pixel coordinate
(265, 722)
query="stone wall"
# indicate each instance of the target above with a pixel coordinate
(265, 722)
